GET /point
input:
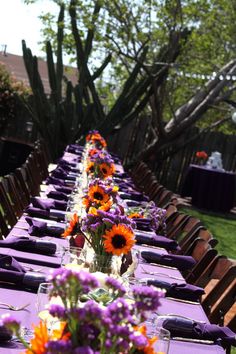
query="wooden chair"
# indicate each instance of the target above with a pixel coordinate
(197, 232)
(13, 194)
(221, 298)
(203, 254)
(6, 206)
(4, 227)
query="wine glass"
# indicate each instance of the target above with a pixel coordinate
(73, 256)
(163, 340)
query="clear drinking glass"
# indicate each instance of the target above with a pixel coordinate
(43, 300)
(161, 346)
(73, 256)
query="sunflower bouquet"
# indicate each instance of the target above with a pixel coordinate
(109, 233)
(100, 195)
(73, 231)
(90, 327)
(95, 139)
(100, 165)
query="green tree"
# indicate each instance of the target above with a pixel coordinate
(128, 51)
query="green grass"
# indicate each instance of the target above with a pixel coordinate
(222, 228)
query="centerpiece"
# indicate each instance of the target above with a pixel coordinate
(100, 165)
(109, 233)
(90, 327)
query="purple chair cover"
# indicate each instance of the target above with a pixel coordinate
(10, 263)
(179, 291)
(157, 240)
(45, 214)
(180, 262)
(180, 327)
(40, 228)
(47, 204)
(57, 195)
(25, 244)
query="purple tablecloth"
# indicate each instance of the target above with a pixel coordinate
(210, 189)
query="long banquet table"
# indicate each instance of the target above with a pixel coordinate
(18, 296)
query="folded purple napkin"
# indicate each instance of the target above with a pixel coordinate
(180, 262)
(143, 224)
(10, 263)
(63, 162)
(131, 203)
(157, 240)
(26, 244)
(45, 214)
(59, 182)
(139, 197)
(78, 150)
(12, 272)
(47, 204)
(63, 189)
(180, 327)
(59, 173)
(57, 195)
(40, 228)
(179, 291)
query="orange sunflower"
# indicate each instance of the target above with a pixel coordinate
(41, 337)
(92, 152)
(148, 349)
(71, 229)
(107, 170)
(119, 240)
(135, 215)
(98, 195)
(90, 167)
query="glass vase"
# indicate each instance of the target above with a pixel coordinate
(101, 263)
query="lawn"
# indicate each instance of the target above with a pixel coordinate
(222, 228)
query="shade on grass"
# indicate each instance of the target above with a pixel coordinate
(222, 228)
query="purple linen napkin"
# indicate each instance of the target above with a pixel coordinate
(59, 173)
(131, 203)
(28, 279)
(138, 197)
(180, 262)
(47, 204)
(143, 224)
(26, 244)
(179, 291)
(10, 263)
(58, 181)
(62, 162)
(157, 240)
(45, 214)
(57, 195)
(63, 189)
(180, 327)
(75, 149)
(40, 228)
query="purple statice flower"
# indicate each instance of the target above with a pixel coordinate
(138, 339)
(63, 280)
(59, 346)
(92, 310)
(10, 323)
(118, 311)
(84, 350)
(146, 298)
(57, 311)
(115, 285)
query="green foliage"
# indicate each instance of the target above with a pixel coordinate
(222, 228)
(11, 93)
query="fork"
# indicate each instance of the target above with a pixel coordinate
(12, 307)
(161, 274)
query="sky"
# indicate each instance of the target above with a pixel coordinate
(19, 21)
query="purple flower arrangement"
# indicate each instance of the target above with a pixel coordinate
(90, 327)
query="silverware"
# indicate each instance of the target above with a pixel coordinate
(163, 266)
(155, 247)
(12, 307)
(161, 274)
(184, 301)
(193, 340)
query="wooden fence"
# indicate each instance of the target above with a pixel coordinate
(135, 136)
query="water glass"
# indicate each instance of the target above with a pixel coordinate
(73, 256)
(161, 346)
(43, 300)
